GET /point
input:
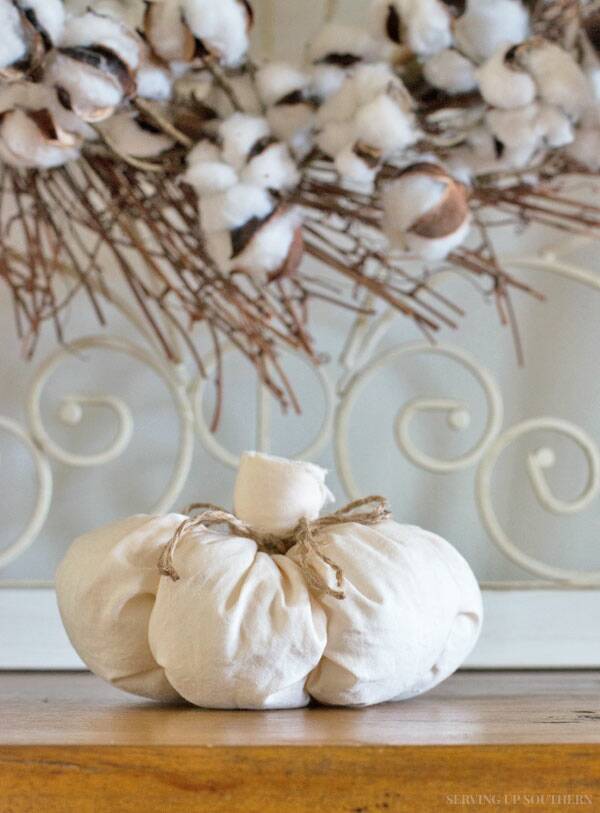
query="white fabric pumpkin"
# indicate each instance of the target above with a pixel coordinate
(241, 628)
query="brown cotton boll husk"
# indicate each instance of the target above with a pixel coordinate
(180, 44)
(591, 26)
(249, 12)
(370, 155)
(36, 49)
(242, 240)
(450, 213)
(294, 257)
(51, 131)
(106, 74)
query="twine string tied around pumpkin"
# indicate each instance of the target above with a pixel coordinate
(307, 535)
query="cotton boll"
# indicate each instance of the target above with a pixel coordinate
(166, 32)
(276, 81)
(433, 250)
(384, 125)
(130, 136)
(129, 12)
(47, 16)
(423, 25)
(31, 139)
(210, 177)
(93, 29)
(427, 25)
(585, 148)
(488, 24)
(264, 249)
(34, 96)
(221, 26)
(514, 127)
(370, 80)
(342, 46)
(204, 150)
(352, 167)
(89, 92)
(341, 106)
(234, 207)
(372, 110)
(502, 84)
(559, 79)
(154, 82)
(244, 90)
(294, 124)
(555, 127)
(335, 136)
(240, 133)
(451, 72)
(518, 135)
(426, 211)
(326, 80)
(410, 197)
(13, 46)
(482, 153)
(273, 168)
(266, 254)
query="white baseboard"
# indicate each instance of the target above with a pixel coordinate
(524, 629)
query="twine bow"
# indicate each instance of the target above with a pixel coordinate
(307, 535)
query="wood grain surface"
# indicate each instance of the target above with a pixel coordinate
(469, 708)
(482, 741)
(298, 780)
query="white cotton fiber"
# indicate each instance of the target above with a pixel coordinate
(276, 80)
(326, 80)
(515, 128)
(450, 71)
(94, 29)
(240, 132)
(211, 177)
(50, 14)
(383, 125)
(406, 199)
(555, 127)
(203, 151)
(12, 42)
(272, 169)
(234, 207)
(154, 82)
(586, 148)
(353, 168)
(428, 29)
(93, 95)
(222, 26)
(503, 86)
(335, 136)
(559, 79)
(488, 24)
(270, 245)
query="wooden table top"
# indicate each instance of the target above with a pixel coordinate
(501, 741)
(469, 708)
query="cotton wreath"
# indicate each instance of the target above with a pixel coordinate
(72, 70)
(395, 132)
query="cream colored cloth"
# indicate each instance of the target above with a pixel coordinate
(241, 629)
(106, 587)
